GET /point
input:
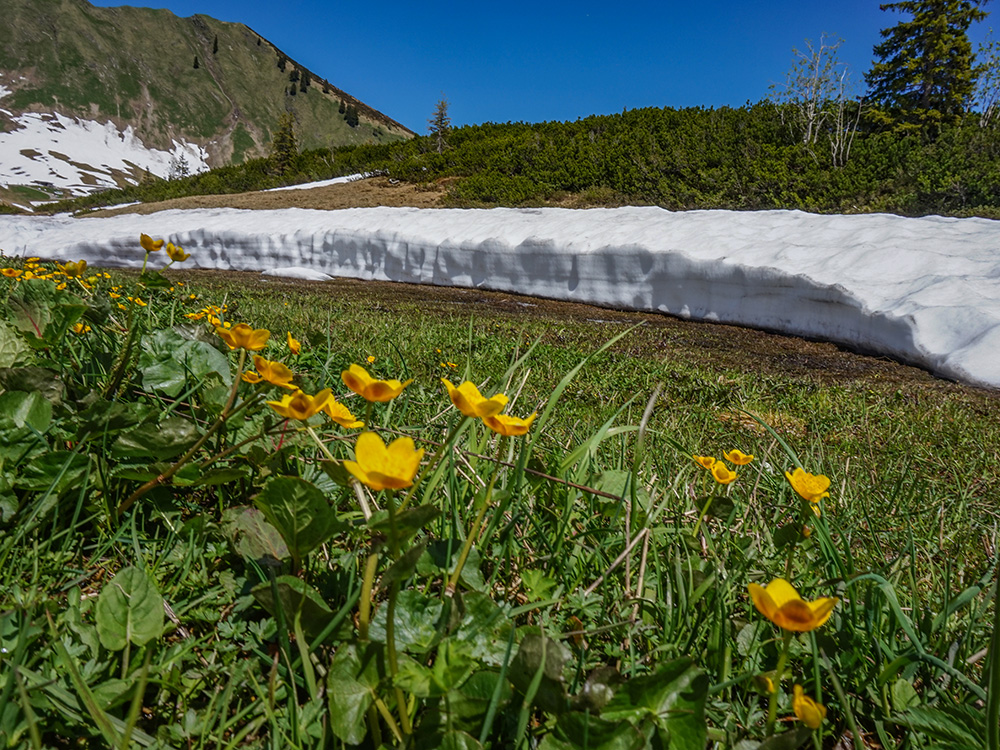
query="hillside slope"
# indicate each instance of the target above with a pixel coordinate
(207, 90)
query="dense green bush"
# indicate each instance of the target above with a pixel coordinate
(746, 158)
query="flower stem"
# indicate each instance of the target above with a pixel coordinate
(476, 525)
(435, 459)
(219, 421)
(772, 701)
(365, 603)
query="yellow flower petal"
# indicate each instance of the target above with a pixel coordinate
(242, 336)
(504, 424)
(149, 244)
(176, 254)
(811, 487)
(780, 603)
(808, 711)
(300, 405)
(341, 415)
(737, 457)
(358, 380)
(722, 474)
(468, 400)
(705, 461)
(381, 467)
(293, 345)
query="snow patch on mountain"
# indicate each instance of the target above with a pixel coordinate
(51, 150)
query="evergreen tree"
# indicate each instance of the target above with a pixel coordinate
(440, 124)
(923, 75)
(284, 145)
(281, 62)
(215, 45)
(351, 116)
(196, 62)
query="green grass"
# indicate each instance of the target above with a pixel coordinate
(556, 635)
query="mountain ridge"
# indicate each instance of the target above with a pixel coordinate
(208, 90)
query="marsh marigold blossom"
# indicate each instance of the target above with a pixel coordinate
(74, 268)
(293, 344)
(149, 244)
(811, 487)
(706, 462)
(358, 380)
(737, 457)
(341, 414)
(722, 474)
(242, 336)
(274, 373)
(300, 405)
(384, 467)
(468, 400)
(177, 253)
(504, 424)
(808, 711)
(780, 603)
(11, 273)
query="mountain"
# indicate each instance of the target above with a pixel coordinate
(96, 97)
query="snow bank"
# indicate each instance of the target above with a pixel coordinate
(924, 290)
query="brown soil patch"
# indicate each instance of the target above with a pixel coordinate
(367, 193)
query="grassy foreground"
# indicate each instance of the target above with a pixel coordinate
(188, 565)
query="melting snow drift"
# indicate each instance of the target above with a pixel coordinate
(924, 290)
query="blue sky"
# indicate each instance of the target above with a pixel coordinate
(537, 61)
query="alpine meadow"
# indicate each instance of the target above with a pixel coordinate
(249, 511)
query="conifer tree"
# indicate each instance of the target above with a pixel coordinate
(196, 62)
(440, 125)
(923, 75)
(284, 145)
(215, 45)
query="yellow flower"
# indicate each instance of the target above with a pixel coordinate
(382, 467)
(811, 487)
(722, 474)
(149, 244)
(242, 336)
(358, 380)
(504, 424)
(138, 301)
(293, 344)
(274, 373)
(780, 603)
(468, 400)
(176, 253)
(371, 359)
(251, 377)
(31, 260)
(341, 414)
(11, 273)
(77, 268)
(706, 461)
(300, 405)
(737, 457)
(80, 328)
(808, 711)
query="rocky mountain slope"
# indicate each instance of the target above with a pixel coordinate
(93, 97)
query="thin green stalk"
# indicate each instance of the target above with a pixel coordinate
(992, 682)
(219, 421)
(476, 525)
(365, 604)
(435, 459)
(772, 700)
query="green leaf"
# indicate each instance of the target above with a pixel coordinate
(350, 687)
(129, 610)
(538, 585)
(456, 740)
(790, 740)
(403, 567)
(163, 441)
(58, 470)
(26, 409)
(41, 380)
(961, 727)
(485, 627)
(576, 730)
(251, 535)
(42, 313)
(300, 513)
(169, 362)
(541, 652)
(12, 346)
(408, 522)
(416, 618)
(903, 695)
(297, 597)
(674, 696)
